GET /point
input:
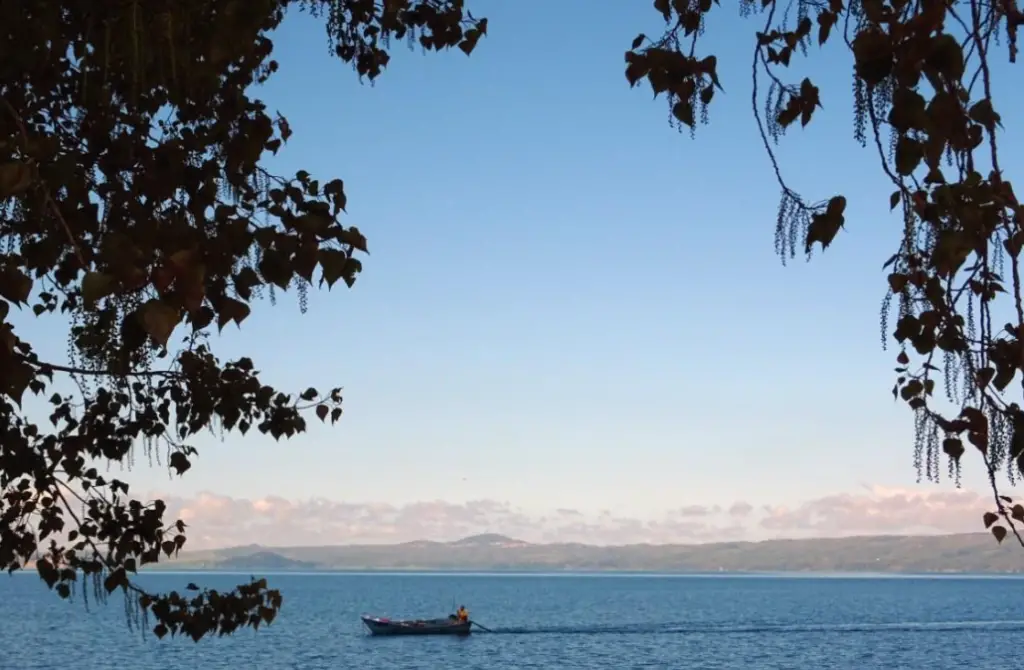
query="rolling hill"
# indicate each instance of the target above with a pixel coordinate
(965, 553)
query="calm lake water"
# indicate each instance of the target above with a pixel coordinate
(619, 621)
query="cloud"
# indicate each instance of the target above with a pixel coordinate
(217, 520)
(698, 510)
(740, 508)
(881, 510)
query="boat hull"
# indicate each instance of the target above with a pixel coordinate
(380, 626)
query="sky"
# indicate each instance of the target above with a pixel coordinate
(572, 323)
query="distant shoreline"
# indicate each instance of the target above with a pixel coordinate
(175, 570)
(931, 555)
(974, 553)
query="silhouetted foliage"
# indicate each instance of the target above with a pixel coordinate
(133, 204)
(924, 101)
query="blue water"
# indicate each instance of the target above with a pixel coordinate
(552, 622)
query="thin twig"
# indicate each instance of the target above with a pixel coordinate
(44, 367)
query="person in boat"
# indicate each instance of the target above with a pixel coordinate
(462, 615)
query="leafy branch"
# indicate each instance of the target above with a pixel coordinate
(134, 206)
(923, 92)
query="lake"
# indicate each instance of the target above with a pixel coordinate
(558, 621)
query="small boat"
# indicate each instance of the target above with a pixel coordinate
(384, 626)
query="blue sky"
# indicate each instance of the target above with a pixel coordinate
(567, 303)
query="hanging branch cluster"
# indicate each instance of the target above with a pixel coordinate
(133, 205)
(924, 101)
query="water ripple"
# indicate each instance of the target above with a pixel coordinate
(540, 622)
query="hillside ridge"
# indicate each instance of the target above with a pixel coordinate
(961, 553)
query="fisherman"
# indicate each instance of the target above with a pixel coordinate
(463, 614)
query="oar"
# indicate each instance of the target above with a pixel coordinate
(483, 628)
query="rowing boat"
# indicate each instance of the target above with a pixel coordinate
(385, 626)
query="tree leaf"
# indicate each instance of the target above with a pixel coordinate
(95, 287)
(245, 281)
(983, 113)
(115, 579)
(984, 377)
(352, 237)
(158, 320)
(909, 153)
(179, 462)
(822, 230)
(335, 190)
(352, 267)
(231, 310)
(683, 112)
(15, 285)
(953, 447)
(947, 57)
(15, 178)
(332, 263)
(47, 572)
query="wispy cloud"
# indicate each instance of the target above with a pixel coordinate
(740, 508)
(881, 510)
(217, 520)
